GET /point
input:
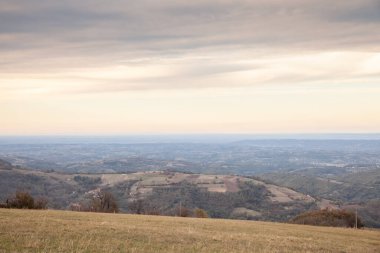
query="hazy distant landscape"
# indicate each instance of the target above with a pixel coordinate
(335, 173)
(330, 157)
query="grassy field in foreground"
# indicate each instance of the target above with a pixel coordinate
(64, 231)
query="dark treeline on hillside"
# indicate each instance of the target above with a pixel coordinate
(218, 205)
(167, 201)
(23, 200)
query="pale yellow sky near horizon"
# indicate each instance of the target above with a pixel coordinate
(203, 67)
(213, 110)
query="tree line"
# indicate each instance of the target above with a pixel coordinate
(24, 200)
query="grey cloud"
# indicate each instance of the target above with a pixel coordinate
(44, 35)
(361, 15)
(54, 20)
(206, 22)
(366, 11)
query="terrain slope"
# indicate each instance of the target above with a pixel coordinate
(222, 196)
(65, 231)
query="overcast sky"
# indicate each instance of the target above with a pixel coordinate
(207, 66)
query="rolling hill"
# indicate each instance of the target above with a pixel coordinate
(357, 190)
(64, 231)
(222, 196)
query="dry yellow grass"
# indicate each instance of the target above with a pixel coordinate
(63, 231)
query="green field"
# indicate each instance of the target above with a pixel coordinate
(64, 231)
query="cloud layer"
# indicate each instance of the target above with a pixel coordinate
(200, 38)
(67, 49)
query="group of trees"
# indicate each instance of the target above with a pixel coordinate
(104, 202)
(97, 201)
(188, 198)
(23, 200)
(331, 218)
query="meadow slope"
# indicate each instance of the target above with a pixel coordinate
(64, 231)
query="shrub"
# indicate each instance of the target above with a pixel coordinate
(23, 200)
(200, 213)
(183, 212)
(41, 203)
(332, 218)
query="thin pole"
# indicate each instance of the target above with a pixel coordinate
(356, 218)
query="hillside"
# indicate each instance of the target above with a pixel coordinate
(63, 231)
(356, 190)
(222, 196)
(358, 186)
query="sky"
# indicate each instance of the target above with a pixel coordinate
(201, 66)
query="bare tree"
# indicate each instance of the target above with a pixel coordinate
(41, 203)
(137, 206)
(22, 200)
(104, 201)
